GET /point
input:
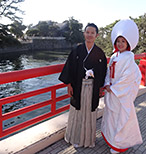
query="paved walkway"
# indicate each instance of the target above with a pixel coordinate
(61, 147)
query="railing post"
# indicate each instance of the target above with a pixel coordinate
(53, 105)
(142, 66)
(1, 122)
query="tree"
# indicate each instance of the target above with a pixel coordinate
(44, 29)
(8, 9)
(6, 39)
(104, 38)
(17, 29)
(141, 23)
(73, 31)
(53, 30)
(32, 32)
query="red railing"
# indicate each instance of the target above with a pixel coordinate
(37, 72)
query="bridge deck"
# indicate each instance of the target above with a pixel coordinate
(61, 147)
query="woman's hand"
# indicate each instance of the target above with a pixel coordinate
(107, 87)
(70, 89)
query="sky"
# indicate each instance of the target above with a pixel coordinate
(100, 12)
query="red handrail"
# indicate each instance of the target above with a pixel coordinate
(32, 73)
(140, 56)
(29, 73)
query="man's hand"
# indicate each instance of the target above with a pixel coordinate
(70, 89)
(101, 92)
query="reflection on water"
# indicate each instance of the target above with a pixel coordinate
(15, 61)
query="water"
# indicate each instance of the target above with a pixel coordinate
(15, 61)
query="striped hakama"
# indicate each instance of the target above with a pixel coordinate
(81, 128)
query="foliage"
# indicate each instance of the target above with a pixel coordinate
(8, 9)
(141, 23)
(73, 32)
(17, 29)
(104, 38)
(6, 39)
(9, 41)
(32, 32)
(70, 29)
(44, 29)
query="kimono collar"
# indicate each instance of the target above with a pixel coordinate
(90, 49)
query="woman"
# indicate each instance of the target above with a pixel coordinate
(119, 126)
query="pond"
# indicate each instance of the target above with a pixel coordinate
(27, 60)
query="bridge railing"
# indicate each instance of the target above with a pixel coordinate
(9, 77)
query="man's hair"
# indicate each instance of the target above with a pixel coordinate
(92, 25)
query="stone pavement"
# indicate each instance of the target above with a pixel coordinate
(61, 147)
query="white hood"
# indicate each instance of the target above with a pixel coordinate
(128, 29)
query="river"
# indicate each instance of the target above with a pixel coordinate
(17, 61)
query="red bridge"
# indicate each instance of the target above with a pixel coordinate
(37, 72)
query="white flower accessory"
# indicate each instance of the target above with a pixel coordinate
(89, 73)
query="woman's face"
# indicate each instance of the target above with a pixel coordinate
(90, 34)
(121, 44)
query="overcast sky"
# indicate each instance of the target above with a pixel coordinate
(101, 12)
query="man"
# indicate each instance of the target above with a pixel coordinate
(84, 73)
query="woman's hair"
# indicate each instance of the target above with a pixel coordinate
(92, 25)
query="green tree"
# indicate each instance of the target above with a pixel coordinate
(8, 9)
(73, 31)
(32, 32)
(141, 23)
(6, 39)
(104, 38)
(53, 30)
(17, 29)
(44, 29)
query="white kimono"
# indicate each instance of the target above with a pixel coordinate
(120, 126)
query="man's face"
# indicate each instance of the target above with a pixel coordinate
(90, 34)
